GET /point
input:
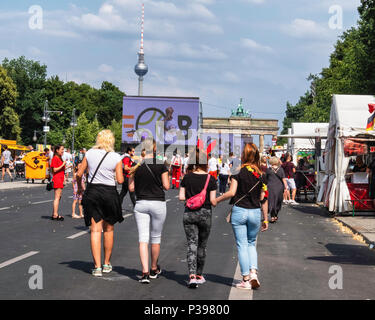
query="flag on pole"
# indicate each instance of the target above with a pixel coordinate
(371, 120)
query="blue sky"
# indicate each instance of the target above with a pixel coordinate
(219, 50)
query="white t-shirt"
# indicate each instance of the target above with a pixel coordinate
(107, 172)
(225, 170)
(212, 164)
(69, 160)
(7, 156)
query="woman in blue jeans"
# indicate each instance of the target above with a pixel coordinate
(248, 193)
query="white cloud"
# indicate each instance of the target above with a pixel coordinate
(255, 1)
(105, 68)
(301, 28)
(253, 45)
(183, 50)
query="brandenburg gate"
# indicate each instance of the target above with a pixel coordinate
(241, 123)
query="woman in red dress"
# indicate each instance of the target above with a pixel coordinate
(58, 170)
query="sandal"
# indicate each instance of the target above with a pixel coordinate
(58, 218)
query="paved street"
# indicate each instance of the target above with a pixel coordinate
(294, 256)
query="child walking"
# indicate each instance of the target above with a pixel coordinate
(77, 195)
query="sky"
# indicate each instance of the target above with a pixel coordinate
(218, 50)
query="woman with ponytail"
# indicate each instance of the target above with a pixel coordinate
(248, 193)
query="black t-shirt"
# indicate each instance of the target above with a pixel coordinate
(194, 184)
(246, 180)
(288, 169)
(146, 188)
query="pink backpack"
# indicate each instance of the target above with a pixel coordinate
(198, 200)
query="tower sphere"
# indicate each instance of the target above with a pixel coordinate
(141, 69)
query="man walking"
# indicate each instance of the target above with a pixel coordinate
(6, 158)
(176, 165)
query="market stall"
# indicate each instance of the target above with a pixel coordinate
(349, 150)
(306, 141)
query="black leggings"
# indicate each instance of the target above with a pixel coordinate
(223, 181)
(197, 227)
(124, 191)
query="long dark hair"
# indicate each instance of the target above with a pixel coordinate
(56, 148)
(197, 160)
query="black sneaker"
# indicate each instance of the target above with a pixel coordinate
(155, 273)
(145, 278)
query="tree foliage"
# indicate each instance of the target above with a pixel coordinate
(9, 120)
(351, 71)
(34, 88)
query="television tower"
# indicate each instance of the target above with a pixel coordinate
(141, 68)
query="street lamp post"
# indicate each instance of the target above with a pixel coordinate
(46, 118)
(73, 124)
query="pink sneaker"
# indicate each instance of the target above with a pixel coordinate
(244, 285)
(200, 279)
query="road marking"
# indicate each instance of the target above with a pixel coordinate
(6, 208)
(78, 234)
(168, 200)
(42, 202)
(128, 215)
(11, 261)
(239, 294)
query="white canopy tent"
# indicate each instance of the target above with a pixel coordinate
(349, 115)
(310, 130)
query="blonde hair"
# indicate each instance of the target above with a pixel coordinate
(105, 140)
(274, 161)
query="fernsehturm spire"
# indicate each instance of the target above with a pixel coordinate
(141, 68)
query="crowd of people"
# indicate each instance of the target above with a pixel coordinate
(255, 185)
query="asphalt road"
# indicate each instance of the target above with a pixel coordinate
(295, 256)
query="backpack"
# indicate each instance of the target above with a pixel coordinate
(197, 201)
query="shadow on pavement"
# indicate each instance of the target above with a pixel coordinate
(311, 210)
(182, 279)
(83, 266)
(347, 254)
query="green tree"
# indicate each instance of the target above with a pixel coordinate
(116, 128)
(10, 125)
(29, 77)
(9, 120)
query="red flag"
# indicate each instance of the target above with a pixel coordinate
(371, 108)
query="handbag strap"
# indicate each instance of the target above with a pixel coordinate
(154, 177)
(243, 197)
(96, 171)
(206, 184)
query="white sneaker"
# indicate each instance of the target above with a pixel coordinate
(254, 281)
(286, 201)
(293, 202)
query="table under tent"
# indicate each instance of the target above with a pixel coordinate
(350, 149)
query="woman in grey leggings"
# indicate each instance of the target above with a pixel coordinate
(197, 223)
(149, 180)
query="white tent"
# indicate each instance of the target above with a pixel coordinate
(349, 115)
(311, 130)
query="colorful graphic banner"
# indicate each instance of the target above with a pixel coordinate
(167, 120)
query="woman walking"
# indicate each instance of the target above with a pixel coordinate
(276, 183)
(197, 222)
(149, 180)
(101, 201)
(58, 170)
(249, 197)
(224, 174)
